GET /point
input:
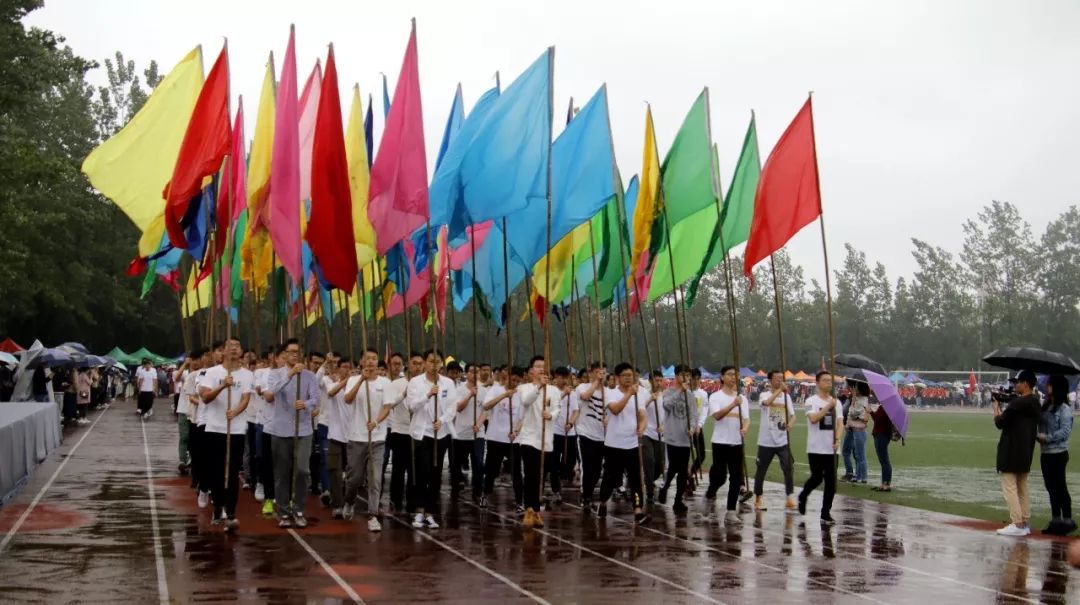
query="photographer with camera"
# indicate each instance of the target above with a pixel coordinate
(1018, 423)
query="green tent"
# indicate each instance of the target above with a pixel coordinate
(119, 355)
(142, 354)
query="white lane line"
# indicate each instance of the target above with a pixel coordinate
(708, 548)
(590, 551)
(484, 568)
(159, 559)
(326, 567)
(44, 488)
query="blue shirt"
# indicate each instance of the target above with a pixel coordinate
(283, 414)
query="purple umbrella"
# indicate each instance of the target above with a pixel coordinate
(890, 400)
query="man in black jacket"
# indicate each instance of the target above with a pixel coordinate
(1018, 423)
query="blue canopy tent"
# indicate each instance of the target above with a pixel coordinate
(747, 373)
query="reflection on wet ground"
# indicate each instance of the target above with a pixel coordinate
(89, 537)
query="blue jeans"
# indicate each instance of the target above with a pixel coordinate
(881, 446)
(855, 447)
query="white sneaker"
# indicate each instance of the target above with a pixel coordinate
(418, 521)
(149, 413)
(260, 493)
(732, 518)
(430, 522)
(373, 525)
(204, 499)
(347, 511)
(1013, 530)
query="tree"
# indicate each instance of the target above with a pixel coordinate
(122, 98)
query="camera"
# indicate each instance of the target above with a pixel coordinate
(1003, 394)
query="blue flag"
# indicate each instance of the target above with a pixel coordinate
(385, 98)
(453, 125)
(369, 132)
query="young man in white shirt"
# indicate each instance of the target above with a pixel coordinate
(592, 401)
(367, 397)
(146, 379)
(399, 442)
(652, 443)
(680, 428)
(334, 415)
(701, 399)
(432, 400)
(777, 418)
(469, 434)
(183, 427)
(225, 390)
(731, 415)
(503, 411)
(625, 427)
(539, 406)
(565, 443)
(825, 428)
(264, 461)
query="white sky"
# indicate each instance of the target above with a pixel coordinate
(925, 110)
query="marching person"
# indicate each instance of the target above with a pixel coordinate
(1019, 425)
(626, 424)
(590, 429)
(563, 428)
(539, 406)
(264, 411)
(225, 390)
(399, 442)
(1055, 427)
(290, 429)
(503, 410)
(334, 411)
(777, 418)
(731, 421)
(147, 380)
(680, 427)
(652, 445)
(469, 433)
(701, 399)
(367, 395)
(430, 398)
(824, 429)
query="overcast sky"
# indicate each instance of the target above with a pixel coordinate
(925, 110)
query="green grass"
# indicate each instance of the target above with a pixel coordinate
(947, 465)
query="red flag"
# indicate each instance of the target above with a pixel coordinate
(330, 229)
(206, 142)
(787, 197)
(971, 383)
(231, 195)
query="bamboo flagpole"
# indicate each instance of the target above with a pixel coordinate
(228, 424)
(547, 281)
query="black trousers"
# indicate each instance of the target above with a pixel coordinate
(224, 497)
(401, 446)
(727, 460)
(592, 463)
(822, 470)
(265, 463)
(531, 460)
(566, 452)
(678, 469)
(471, 452)
(699, 455)
(1053, 470)
(764, 459)
(146, 401)
(496, 453)
(617, 462)
(428, 467)
(197, 445)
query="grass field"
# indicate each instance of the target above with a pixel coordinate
(947, 465)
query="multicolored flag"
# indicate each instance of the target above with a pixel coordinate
(356, 156)
(256, 252)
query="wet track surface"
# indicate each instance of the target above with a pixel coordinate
(83, 530)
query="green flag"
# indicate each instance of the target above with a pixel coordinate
(236, 282)
(738, 208)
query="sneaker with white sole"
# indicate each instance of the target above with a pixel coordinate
(299, 520)
(348, 511)
(260, 493)
(732, 518)
(429, 521)
(418, 521)
(1014, 530)
(231, 524)
(268, 508)
(204, 499)
(373, 525)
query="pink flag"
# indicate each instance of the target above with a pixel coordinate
(418, 284)
(238, 164)
(399, 187)
(474, 238)
(285, 169)
(309, 110)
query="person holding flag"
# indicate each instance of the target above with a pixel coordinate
(469, 433)
(622, 442)
(539, 406)
(680, 428)
(430, 398)
(367, 394)
(503, 405)
(777, 418)
(563, 427)
(591, 429)
(729, 431)
(824, 429)
(225, 390)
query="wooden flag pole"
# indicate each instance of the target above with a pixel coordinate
(509, 322)
(528, 305)
(405, 312)
(656, 330)
(596, 298)
(547, 281)
(362, 312)
(475, 303)
(228, 427)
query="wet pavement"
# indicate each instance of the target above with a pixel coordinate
(83, 530)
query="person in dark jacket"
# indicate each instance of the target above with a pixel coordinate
(1019, 424)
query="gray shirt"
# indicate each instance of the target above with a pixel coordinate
(283, 415)
(678, 406)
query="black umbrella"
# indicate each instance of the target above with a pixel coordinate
(1037, 360)
(859, 362)
(853, 374)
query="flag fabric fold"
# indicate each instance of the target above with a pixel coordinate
(285, 170)
(356, 156)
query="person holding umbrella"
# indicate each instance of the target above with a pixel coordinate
(882, 433)
(1018, 424)
(1055, 427)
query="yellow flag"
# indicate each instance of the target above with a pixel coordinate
(356, 156)
(649, 184)
(561, 255)
(256, 253)
(195, 298)
(133, 166)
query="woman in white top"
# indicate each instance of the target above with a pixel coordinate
(626, 425)
(824, 428)
(731, 416)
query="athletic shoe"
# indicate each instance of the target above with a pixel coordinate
(418, 521)
(745, 496)
(336, 514)
(83, 421)
(790, 505)
(520, 508)
(710, 494)
(182, 469)
(558, 500)
(483, 502)
(641, 518)
(244, 483)
(325, 498)
(661, 496)
(348, 511)
(732, 518)
(204, 499)
(860, 481)
(759, 504)
(802, 506)
(1068, 526)
(847, 478)
(1014, 530)
(679, 507)
(429, 521)
(260, 493)
(268, 508)
(149, 413)
(232, 524)
(373, 525)
(284, 522)
(217, 518)
(300, 520)
(827, 520)
(528, 521)
(538, 520)
(601, 511)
